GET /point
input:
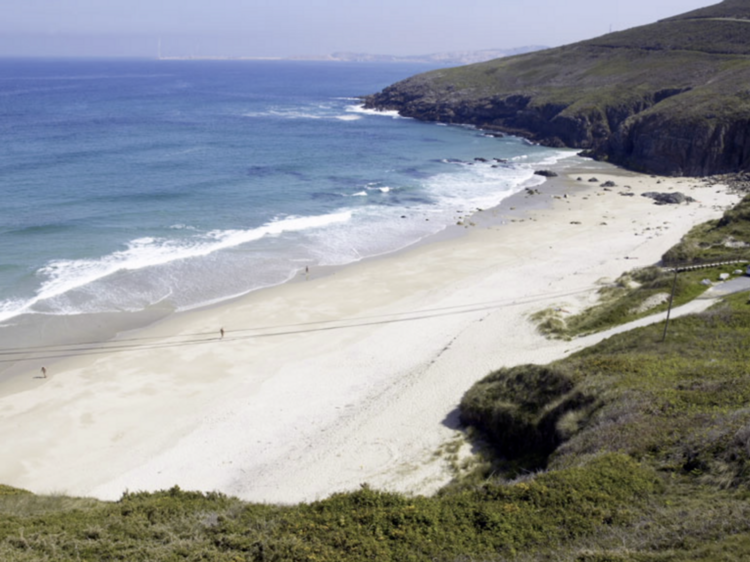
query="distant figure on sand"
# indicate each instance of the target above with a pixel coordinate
(44, 372)
(307, 272)
(222, 333)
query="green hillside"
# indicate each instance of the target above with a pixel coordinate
(672, 97)
(728, 9)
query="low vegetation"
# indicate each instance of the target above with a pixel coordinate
(646, 291)
(631, 450)
(721, 240)
(679, 407)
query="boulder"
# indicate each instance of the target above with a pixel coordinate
(546, 173)
(675, 198)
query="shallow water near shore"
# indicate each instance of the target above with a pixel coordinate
(133, 189)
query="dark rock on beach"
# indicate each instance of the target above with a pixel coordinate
(675, 198)
(546, 173)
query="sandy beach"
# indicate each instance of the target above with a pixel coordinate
(348, 376)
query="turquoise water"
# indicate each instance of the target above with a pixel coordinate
(126, 184)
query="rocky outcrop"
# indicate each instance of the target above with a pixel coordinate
(668, 142)
(671, 198)
(668, 146)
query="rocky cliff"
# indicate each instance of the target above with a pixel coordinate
(670, 98)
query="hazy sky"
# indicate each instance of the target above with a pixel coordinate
(311, 27)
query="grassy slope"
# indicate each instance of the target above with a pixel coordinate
(365, 525)
(643, 448)
(728, 8)
(614, 95)
(665, 55)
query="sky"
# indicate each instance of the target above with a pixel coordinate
(282, 28)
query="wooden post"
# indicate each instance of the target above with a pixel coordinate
(669, 310)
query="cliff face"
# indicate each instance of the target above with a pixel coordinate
(667, 146)
(671, 98)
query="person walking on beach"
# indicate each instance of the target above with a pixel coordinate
(221, 331)
(44, 372)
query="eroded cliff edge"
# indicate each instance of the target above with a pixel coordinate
(670, 98)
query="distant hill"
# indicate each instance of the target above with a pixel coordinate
(672, 97)
(453, 57)
(448, 58)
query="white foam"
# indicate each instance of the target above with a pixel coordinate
(284, 114)
(360, 194)
(11, 308)
(318, 112)
(388, 113)
(478, 185)
(292, 114)
(556, 157)
(383, 229)
(62, 276)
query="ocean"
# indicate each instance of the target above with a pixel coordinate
(132, 185)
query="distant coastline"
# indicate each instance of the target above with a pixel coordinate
(447, 58)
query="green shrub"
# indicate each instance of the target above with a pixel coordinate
(521, 409)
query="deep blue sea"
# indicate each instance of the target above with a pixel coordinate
(130, 183)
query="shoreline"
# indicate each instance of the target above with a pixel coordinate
(348, 377)
(63, 332)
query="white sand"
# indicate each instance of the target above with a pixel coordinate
(324, 384)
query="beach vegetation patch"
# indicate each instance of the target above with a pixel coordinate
(493, 521)
(642, 292)
(724, 239)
